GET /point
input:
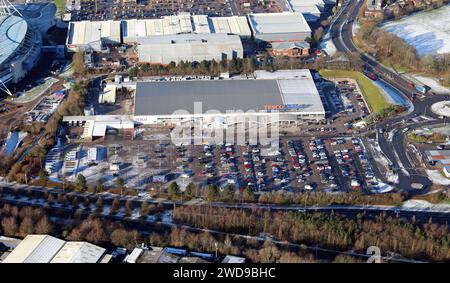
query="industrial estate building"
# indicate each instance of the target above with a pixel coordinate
(48, 249)
(188, 37)
(98, 34)
(292, 95)
(190, 47)
(279, 27)
(311, 9)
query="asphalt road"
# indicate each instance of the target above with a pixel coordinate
(341, 32)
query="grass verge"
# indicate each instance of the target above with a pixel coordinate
(370, 91)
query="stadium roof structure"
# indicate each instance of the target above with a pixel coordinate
(285, 22)
(13, 30)
(164, 98)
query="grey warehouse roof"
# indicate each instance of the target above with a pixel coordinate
(286, 22)
(163, 98)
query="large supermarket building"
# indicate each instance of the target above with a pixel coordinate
(286, 96)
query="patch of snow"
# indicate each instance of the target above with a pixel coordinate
(437, 178)
(327, 45)
(424, 205)
(428, 32)
(382, 188)
(432, 83)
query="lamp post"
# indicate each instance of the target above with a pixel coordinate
(216, 246)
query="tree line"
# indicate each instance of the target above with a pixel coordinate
(19, 222)
(392, 50)
(427, 242)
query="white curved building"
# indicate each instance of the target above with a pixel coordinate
(20, 47)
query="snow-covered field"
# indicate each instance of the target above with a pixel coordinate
(428, 32)
(437, 178)
(327, 45)
(433, 84)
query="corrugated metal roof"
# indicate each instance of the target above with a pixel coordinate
(86, 32)
(236, 25)
(35, 249)
(285, 22)
(307, 3)
(164, 98)
(189, 47)
(276, 88)
(79, 252)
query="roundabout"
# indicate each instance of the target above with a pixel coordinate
(441, 108)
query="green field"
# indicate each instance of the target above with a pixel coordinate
(60, 7)
(371, 92)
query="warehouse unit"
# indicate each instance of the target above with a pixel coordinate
(234, 25)
(296, 4)
(292, 95)
(35, 249)
(279, 27)
(310, 12)
(189, 47)
(96, 35)
(48, 249)
(79, 252)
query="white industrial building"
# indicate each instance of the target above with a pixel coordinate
(189, 47)
(320, 4)
(87, 35)
(35, 249)
(96, 35)
(48, 249)
(310, 12)
(97, 126)
(108, 95)
(279, 27)
(311, 9)
(78, 252)
(234, 25)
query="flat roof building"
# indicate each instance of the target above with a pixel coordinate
(35, 249)
(292, 94)
(320, 4)
(234, 25)
(79, 252)
(311, 12)
(95, 34)
(190, 47)
(279, 27)
(48, 249)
